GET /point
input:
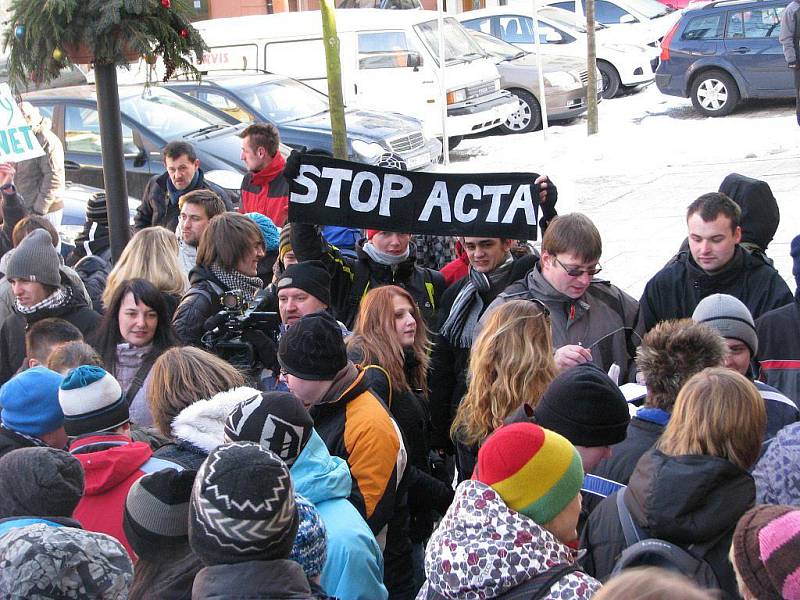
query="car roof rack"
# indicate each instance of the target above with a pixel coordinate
(731, 3)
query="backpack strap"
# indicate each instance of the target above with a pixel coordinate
(630, 530)
(138, 379)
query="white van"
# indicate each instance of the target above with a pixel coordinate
(389, 62)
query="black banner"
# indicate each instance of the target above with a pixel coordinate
(338, 192)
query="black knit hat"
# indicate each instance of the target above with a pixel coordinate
(40, 482)
(313, 349)
(585, 406)
(310, 276)
(157, 512)
(242, 507)
(276, 420)
(96, 209)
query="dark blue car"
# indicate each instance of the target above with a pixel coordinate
(725, 52)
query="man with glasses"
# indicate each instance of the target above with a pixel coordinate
(592, 320)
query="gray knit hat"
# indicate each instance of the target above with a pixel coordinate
(35, 259)
(729, 317)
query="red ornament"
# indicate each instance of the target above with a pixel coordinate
(184, 33)
(166, 3)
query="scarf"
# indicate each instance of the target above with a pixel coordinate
(55, 300)
(234, 280)
(175, 193)
(382, 258)
(459, 327)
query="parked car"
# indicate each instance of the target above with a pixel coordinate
(649, 20)
(303, 118)
(566, 83)
(621, 65)
(151, 117)
(725, 52)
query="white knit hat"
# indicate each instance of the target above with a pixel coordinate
(92, 401)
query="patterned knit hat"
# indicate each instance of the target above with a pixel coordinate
(242, 506)
(92, 401)
(285, 241)
(35, 259)
(536, 471)
(310, 548)
(776, 471)
(729, 317)
(157, 512)
(29, 402)
(96, 209)
(276, 420)
(766, 551)
(268, 230)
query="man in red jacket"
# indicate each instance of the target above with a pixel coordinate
(263, 189)
(96, 412)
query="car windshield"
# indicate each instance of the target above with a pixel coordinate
(283, 100)
(458, 46)
(650, 8)
(169, 115)
(496, 46)
(565, 20)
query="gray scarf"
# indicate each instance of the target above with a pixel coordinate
(234, 280)
(382, 258)
(459, 327)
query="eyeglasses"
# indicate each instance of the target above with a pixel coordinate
(573, 272)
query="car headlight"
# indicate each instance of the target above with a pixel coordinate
(457, 96)
(627, 48)
(368, 149)
(559, 79)
(497, 85)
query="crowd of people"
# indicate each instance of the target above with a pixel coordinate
(238, 407)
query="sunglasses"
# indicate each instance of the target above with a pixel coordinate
(573, 272)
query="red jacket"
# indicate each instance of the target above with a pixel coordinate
(267, 192)
(112, 463)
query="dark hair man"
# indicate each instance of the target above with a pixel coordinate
(160, 198)
(263, 189)
(197, 208)
(45, 336)
(715, 263)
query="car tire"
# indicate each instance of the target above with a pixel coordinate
(611, 82)
(714, 93)
(527, 118)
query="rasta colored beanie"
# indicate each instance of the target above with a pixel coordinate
(537, 472)
(285, 241)
(729, 317)
(766, 551)
(310, 276)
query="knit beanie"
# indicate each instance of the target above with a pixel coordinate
(268, 230)
(29, 402)
(156, 514)
(92, 401)
(795, 254)
(310, 548)
(776, 471)
(537, 472)
(35, 259)
(96, 209)
(310, 276)
(371, 233)
(313, 349)
(242, 506)
(39, 482)
(729, 317)
(285, 241)
(585, 406)
(276, 420)
(766, 551)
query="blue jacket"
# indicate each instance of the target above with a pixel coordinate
(354, 568)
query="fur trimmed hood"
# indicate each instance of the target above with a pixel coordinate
(202, 424)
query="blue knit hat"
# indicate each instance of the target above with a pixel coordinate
(795, 252)
(29, 402)
(268, 230)
(92, 401)
(310, 548)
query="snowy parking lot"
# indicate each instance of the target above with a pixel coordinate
(653, 156)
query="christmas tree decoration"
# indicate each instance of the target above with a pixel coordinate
(58, 54)
(166, 3)
(19, 31)
(184, 33)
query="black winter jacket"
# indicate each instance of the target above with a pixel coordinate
(252, 580)
(11, 440)
(675, 291)
(680, 499)
(354, 277)
(93, 271)
(200, 302)
(156, 208)
(779, 349)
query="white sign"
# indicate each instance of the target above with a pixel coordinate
(17, 140)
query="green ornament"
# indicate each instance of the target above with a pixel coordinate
(58, 54)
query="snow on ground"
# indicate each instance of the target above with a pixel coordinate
(653, 156)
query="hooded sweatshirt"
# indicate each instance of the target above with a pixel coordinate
(354, 567)
(483, 549)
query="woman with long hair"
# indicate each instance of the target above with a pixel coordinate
(511, 363)
(152, 254)
(135, 330)
(694, 485)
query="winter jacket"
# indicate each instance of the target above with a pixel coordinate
(354, 567)
(779, 349)
(775, 472)
(789, 35)
(13, 211)
(267, 192)
(111, 464)
(12, 440)
(187, 256)
(129, 360)
(675, 291)
(93, 271)
(253, 580)
(483, 549)
(12, 332)
(602, 309)
(41, 180)
(157, 208)
(680, 499)
(781, 411)
(10, 523)
(352, 278)
(201, 301)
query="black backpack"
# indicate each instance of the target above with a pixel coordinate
(644, 551)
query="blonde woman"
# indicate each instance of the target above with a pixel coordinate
(511, 363)
(694, 485)
(152, 254)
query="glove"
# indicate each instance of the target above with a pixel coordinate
(265, 349)
(292, 168)
(548, 206)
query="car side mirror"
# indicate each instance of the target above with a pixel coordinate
(139, 158)
(414, 60)
(627, 19)
(553, 37)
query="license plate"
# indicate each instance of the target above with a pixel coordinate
(415, 162)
